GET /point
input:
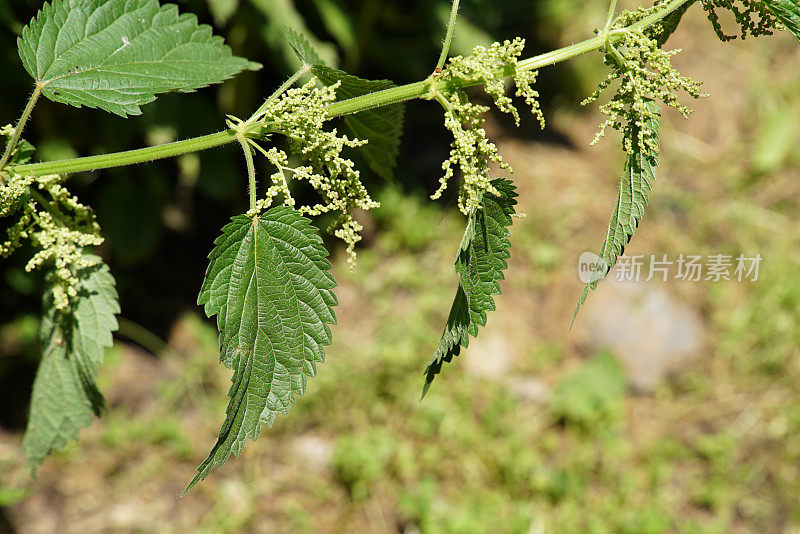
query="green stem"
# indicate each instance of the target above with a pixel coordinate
(611, 10)
(46, 204)
(451, 25)
(12, 143)
(130, 157)
(282, 89)
(386, 97)
(596, 43)
(251, 168)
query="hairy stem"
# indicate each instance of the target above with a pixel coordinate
(12, 143)
(596, 43)
(129, 157)
(377, 99)
(448, 40)
(251, 168)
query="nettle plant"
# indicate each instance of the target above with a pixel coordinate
(268, 280)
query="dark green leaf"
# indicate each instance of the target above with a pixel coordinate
(788, 12)
(64, 393)
(269, 286)
(480, 263)
(634, 190)
(383, 126)
(662, 31)
(117, 55)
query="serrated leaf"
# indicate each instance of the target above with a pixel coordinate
(788, 12)
(635, 185)
(64, 392)
(480, 262)
(269, 286)
(382, 127)
(117, 55)
(300, 45)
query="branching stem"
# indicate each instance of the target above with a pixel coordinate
(282, 89)
(393, 95)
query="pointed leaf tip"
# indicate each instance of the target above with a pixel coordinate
(480, 262)
(269, 285)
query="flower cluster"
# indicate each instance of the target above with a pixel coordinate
(471, 151)
(645, 73)
(752, 16)
(300, 114)
(46, 213)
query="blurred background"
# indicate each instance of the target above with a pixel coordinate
(671, 407)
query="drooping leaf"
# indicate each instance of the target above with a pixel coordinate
(480, 263)
(635, 185)
(64, 392)
(269, 286)
(117, 55)
(788, 12)
(382, 127)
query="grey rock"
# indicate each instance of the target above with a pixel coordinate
(651, 332)
(313, 451)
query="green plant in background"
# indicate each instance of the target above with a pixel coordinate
(268, 280)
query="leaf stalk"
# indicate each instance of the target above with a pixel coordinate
(12, 143)
(448, 40)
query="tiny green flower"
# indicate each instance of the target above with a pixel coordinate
(643, 72)
(300, 115)
(471, 151)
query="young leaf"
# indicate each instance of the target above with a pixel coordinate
(635, 185)
(480, 263)
(64, 392)
(383, 126)
(269, 286)
(302, 48)
(117, 55)
(788, 12)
